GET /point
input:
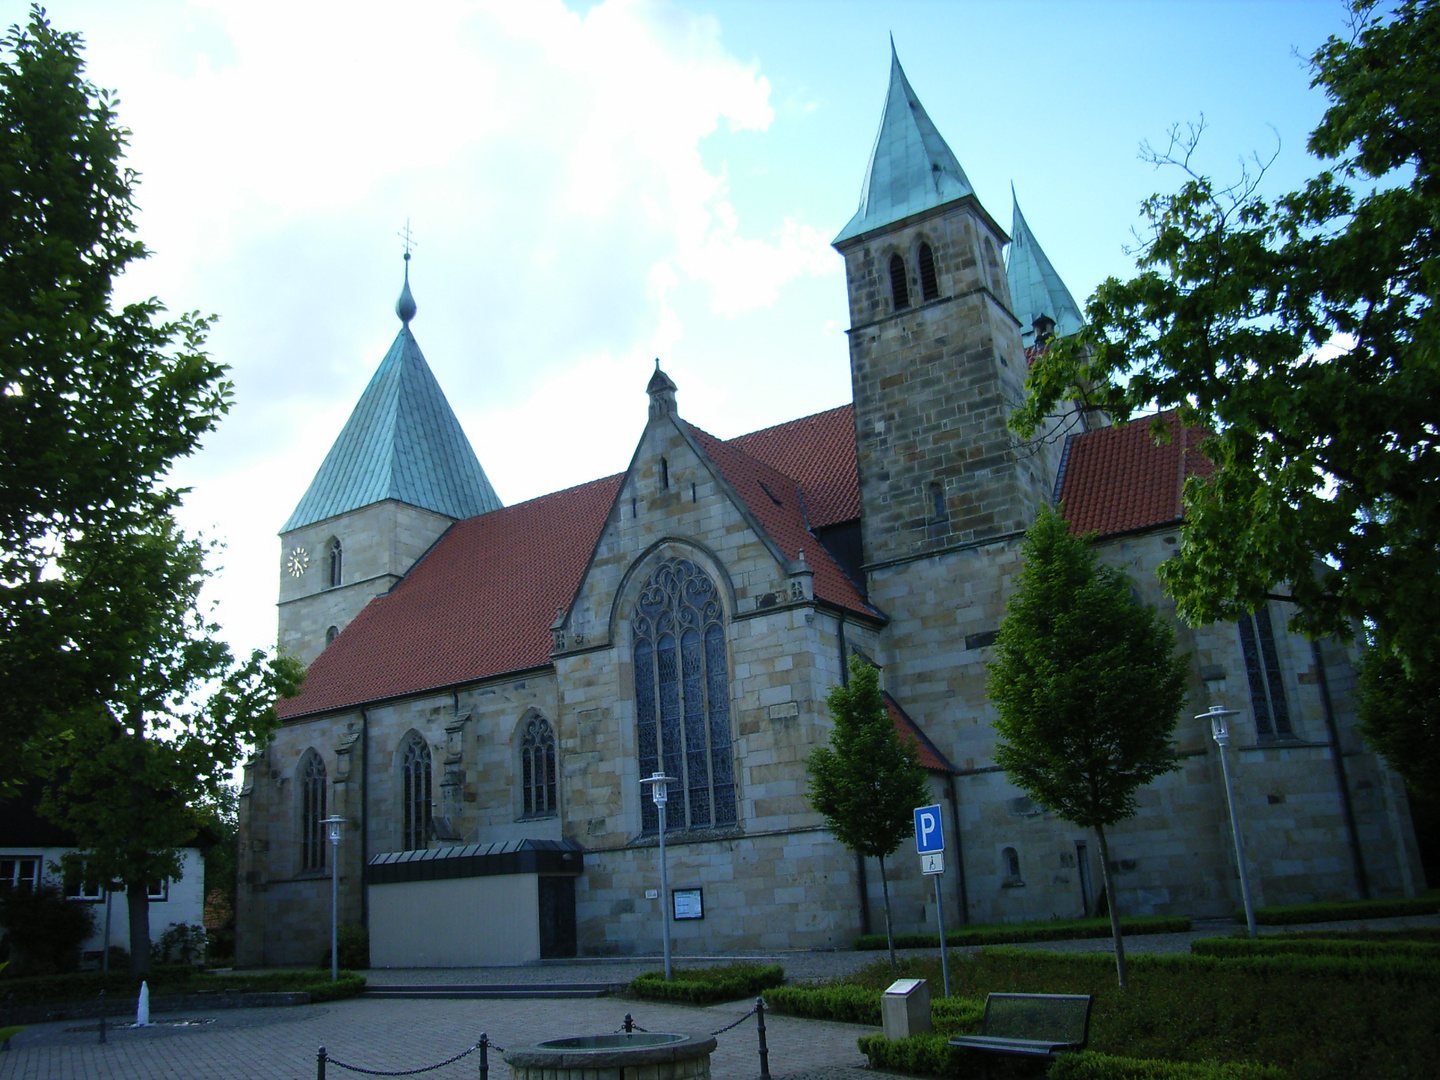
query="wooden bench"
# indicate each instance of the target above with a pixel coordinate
(1031, 1025)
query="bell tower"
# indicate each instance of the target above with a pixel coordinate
(936, 358)
(400, 473)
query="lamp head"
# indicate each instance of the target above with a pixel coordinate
(660, 791)
(334, 825)
(1219, 718)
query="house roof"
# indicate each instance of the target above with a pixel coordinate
(819, 452)
(930, 755)
(1035, 287)
(401, 442)
(911, 168)
(1123, 478)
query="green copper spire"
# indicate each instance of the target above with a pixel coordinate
(1035, 287)
(402, 442)
(911, 169)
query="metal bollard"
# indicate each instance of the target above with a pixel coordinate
(9, 1004)
(320, 1059)
(764, 1050)
(102, 1014)
(484, 1056)
(629, 1024)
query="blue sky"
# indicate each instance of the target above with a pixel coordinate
(595, 185)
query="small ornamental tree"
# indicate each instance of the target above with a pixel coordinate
(1087, 686)
(868, 781)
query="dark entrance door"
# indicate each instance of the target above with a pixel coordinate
(557, 917)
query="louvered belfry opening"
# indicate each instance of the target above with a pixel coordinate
(898, 288)
(929, 286)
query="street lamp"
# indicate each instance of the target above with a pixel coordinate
(334, 824)
(660, 793)
(1220, 729)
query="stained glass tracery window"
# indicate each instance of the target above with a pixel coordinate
(682, 697)
(312, 813)
(415, 798)
(537, 768)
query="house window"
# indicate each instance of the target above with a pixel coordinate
(337, 562)
(158, 890)
(20, 872)
(537, 768)
(929, 286)
(77, 888)
(415, 793)
(898, 289)
(331, 634)
(1262, 669)
(682, 697)
(312, 812)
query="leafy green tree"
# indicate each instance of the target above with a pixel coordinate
(1087, 687)
(44, 931)
(868, 781)
(96, 401)
(1302, 331)
(140, 766)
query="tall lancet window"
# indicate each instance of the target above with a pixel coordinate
(929, 285)
(415, 793)
(537, 768)
(682, 697)
(899, 291)
(337, 560)
(312, 812)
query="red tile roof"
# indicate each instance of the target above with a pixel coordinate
(819, 452)
(930, 756)
(1122, 478)
(479, 603)
(774, 499)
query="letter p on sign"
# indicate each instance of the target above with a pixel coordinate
(929, 836)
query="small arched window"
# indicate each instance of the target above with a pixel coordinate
(312, 812)
(415, 793)
(537, 768)
(929, 284)
(331, 634)
(337, 560)
(899, 291)
(1011, 858)
(938, 511)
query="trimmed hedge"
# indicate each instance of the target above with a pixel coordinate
(164, 981)
(1290, 914)
(851, 1004)
(1089, 1065)
(1358, 948)
(1013, 933)
(706, 986)
(348, 985)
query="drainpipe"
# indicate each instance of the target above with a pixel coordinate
(959, 854)
(859, 859)
(364, 816)
(1351, 832)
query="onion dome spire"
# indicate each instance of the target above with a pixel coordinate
(405, 306)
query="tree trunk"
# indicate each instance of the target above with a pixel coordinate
(137, 898)
(889, 930)
(1114, 908)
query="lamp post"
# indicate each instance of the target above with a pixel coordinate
(1220, 729)
(660, 793)
(334, 824)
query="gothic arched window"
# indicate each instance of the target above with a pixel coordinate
(337, 559)
(929, 285)
(898, 289)
(415, 793)
(537, 768)
(331, 634)
(312, 812)
(682, 697)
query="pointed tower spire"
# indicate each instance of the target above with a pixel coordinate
(1035, 287)
(911, 169)
(661, 389)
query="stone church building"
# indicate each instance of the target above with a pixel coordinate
(488, 684)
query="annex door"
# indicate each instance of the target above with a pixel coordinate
(557, 917)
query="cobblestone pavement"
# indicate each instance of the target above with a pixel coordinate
(395, 1034)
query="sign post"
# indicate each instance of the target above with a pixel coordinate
(930, 844)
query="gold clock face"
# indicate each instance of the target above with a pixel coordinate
(297, 562)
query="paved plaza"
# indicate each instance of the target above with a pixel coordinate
(390, 1034)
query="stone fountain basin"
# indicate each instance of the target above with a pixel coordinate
(670, 1055)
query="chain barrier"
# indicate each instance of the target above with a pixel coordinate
(323, 1059)
(736, 1024)
(757, 1011)
(629, 1026)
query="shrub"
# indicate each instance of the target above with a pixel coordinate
(1089, 1065)
(45, 930)
(1290, 914)
(924, 1055)
(847, 1004)
(354, 942)
(705, 986)
(348, 985)
(1015, 933)
(181, 943)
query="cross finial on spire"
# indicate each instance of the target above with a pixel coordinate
(405, 306)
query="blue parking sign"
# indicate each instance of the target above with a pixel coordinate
(929, 835)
